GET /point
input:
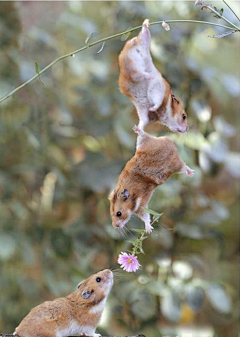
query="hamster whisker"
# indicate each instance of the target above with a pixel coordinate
(119, 274)
(128, 231)
(123, 232)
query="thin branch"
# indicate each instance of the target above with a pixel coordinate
(231, 10)
(222, 17)
(100, 41)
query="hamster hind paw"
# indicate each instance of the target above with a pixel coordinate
(146, 23)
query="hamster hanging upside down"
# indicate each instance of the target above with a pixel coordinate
(155, 160)
(76, 314)
(146, 88)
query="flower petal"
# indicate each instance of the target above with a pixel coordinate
(128, 262)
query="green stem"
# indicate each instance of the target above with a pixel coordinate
(100, 41)
(139, 239)
(231, 10)
(222, 17)
(193, 21)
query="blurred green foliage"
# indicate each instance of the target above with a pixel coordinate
(63, 142)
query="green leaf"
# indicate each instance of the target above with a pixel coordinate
(36, 68)
(137, 230)
(126, 35)
(37, 71)
(223, 35)
(89, 37)
(101, 49)
(150, 211)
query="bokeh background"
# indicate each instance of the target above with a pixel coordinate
(64, 140)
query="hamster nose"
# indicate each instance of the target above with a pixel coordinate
(182, 129)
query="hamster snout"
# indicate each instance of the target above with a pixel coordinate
(109, 276)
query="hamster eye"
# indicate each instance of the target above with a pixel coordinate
(184, 116)
(119, 213)
(98, 279)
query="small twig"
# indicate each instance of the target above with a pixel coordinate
(222, 17)
(101, 41)
(231, 10)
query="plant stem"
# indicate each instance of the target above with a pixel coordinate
(106, 39)
(231, 10)
(138, 239)
(222, 17)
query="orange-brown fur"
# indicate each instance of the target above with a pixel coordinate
(50, 317)
(155, 160)
(144, 85)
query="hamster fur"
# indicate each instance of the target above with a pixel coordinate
(155, 160)
(146, 88)
(77, 313)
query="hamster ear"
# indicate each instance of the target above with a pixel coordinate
(86, 294)
(125, 194)
(175, 98)
(111, 195)
(78, 286)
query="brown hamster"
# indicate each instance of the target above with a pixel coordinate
(76, 314)
(146, 88)
(155, 160)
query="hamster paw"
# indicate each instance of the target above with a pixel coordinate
(153, 108)
(136, 129)
(148, 76)
(148, 229)
(146, 23)
(189, 171)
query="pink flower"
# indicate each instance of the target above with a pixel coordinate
(128, 262)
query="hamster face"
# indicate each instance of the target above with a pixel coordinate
(97, 286)
(121, 208)
(178, 122)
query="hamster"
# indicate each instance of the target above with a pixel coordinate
(146, 88)
(76, 314)
(155, 160)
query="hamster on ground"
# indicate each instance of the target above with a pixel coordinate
(155, 160)
(76, 314)
(146, 88)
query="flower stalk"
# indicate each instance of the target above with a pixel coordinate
(129, 261)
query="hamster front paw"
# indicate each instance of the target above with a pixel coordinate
(154, 107)
(148, 76)
(148, 228)
(189, 172)
(136, 129)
